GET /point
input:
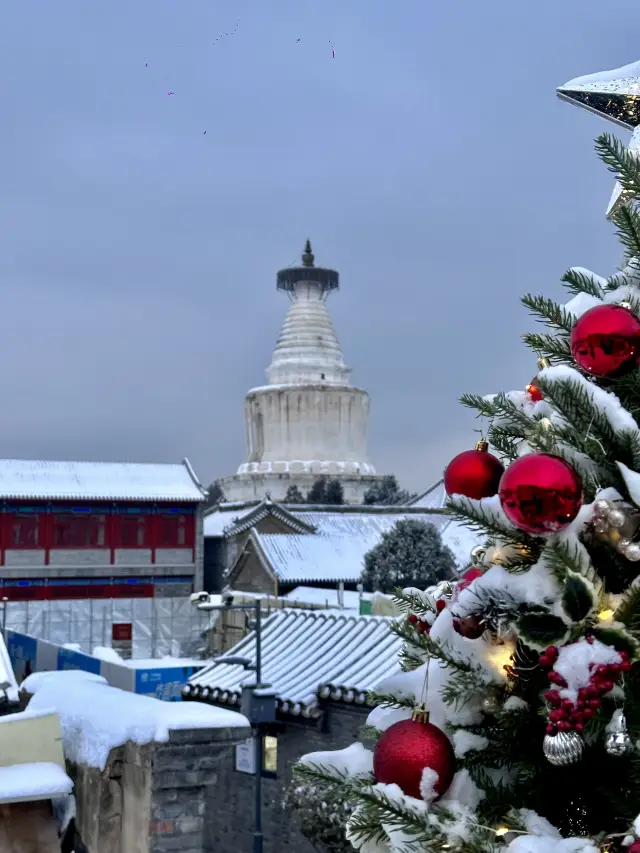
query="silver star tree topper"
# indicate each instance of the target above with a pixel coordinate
(615, 95)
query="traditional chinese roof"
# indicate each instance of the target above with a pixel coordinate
(227, 520)
(434, 498)
(307, 654)
(126, 481)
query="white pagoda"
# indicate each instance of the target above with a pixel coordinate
(309, 420)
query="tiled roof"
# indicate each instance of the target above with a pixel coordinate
(304, 558)
(304, 654)
(135, 481)
(434, 498)
(228, 520)
(222, 516)
(366, 526)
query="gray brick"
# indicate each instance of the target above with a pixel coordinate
(183, 778)
(169, 843)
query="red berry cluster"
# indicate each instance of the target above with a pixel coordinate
(421, 625)
(567, 716)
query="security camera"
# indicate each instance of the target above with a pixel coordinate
(199, 597)
(227, 599)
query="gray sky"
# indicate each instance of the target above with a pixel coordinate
(430, 163)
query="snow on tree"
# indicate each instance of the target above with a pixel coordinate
(294, 495)
(410, 554)
(322, 823)
(386, 492)
(335, 493)
(215, 495)
(326, 491)
(529, 667)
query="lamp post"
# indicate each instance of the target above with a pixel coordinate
(257, 703)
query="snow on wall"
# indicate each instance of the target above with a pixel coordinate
(95, 718)
(40, 780)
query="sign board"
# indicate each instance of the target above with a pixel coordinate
(164, 683)
(70, 659)
(246, 756)
(365, 607)
(22, 650)
(122, 632)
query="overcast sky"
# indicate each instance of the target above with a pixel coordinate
(429, 162)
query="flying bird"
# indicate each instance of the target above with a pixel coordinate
(170, 93)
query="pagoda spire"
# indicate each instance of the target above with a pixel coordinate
(307, 255)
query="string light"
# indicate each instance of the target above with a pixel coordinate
(606, 615)
(502, 830)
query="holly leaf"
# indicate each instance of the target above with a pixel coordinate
(578, 599)
(540, 630)
(615, 635)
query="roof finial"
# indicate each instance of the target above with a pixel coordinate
(307, 255)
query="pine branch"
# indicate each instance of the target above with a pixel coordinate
(549, 312)
(553, 347)
(390, 700)
(369, 733)
(564, 558)
(628, 612)
(431, 648)
(480, 517)
(412, 601)
(627, 222)
(619, 160)
(462, 687)
(485, 407)
(579, 282)
(504, 441)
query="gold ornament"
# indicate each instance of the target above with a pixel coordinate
(477, 556)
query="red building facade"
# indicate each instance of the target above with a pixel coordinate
(124, 531)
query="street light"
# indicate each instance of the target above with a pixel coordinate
(257, 703)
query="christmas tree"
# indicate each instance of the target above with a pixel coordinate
(513, 723)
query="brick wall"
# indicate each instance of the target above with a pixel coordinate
(229, 810)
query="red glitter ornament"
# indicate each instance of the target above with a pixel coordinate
(471, 627)
(406, 748)
(533, 389)
(605, 341)
(633, 848)
(540, 493)
(474, 473)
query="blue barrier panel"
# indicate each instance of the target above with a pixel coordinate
(164, 683)
(22, 652)
(70, 659)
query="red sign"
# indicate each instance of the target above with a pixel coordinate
(122, 632)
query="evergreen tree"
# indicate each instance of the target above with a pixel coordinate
(387, 492)
(530, 667)
(294, 495)
(334, 494)
(215, 495)
(410, 554)
(317, 494)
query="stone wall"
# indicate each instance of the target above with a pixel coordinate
(229, 812)
(152, 798)
(255, 487)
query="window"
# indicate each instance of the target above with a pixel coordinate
(24, 531)
(270, 756)
(133, 532)
(70, 531)
(172, 531)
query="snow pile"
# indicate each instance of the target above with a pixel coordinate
(106, 653)
(69, 677)
(577, 662)
(95, 718)
(355, 760)
(40, 780)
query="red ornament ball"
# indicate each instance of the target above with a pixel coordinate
(605, 341)
(406, 748)
(474, 473)
(534, 392)
(633, 848)
(540, 493)
(471, 627)
(468, 576)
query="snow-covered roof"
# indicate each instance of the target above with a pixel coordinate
(227, 520)
(434, 498)
(320, 597)
(462, 541)
(366, 525)
(305, 654)
(135, 481)
(95, 718)
(304, 558)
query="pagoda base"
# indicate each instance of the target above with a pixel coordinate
(256, 487)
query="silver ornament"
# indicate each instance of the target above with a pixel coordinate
(478, 555)
(600, 525)
(632, 552)
(616, 518)
(563, 749)
(617, 741)
(601, 509)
